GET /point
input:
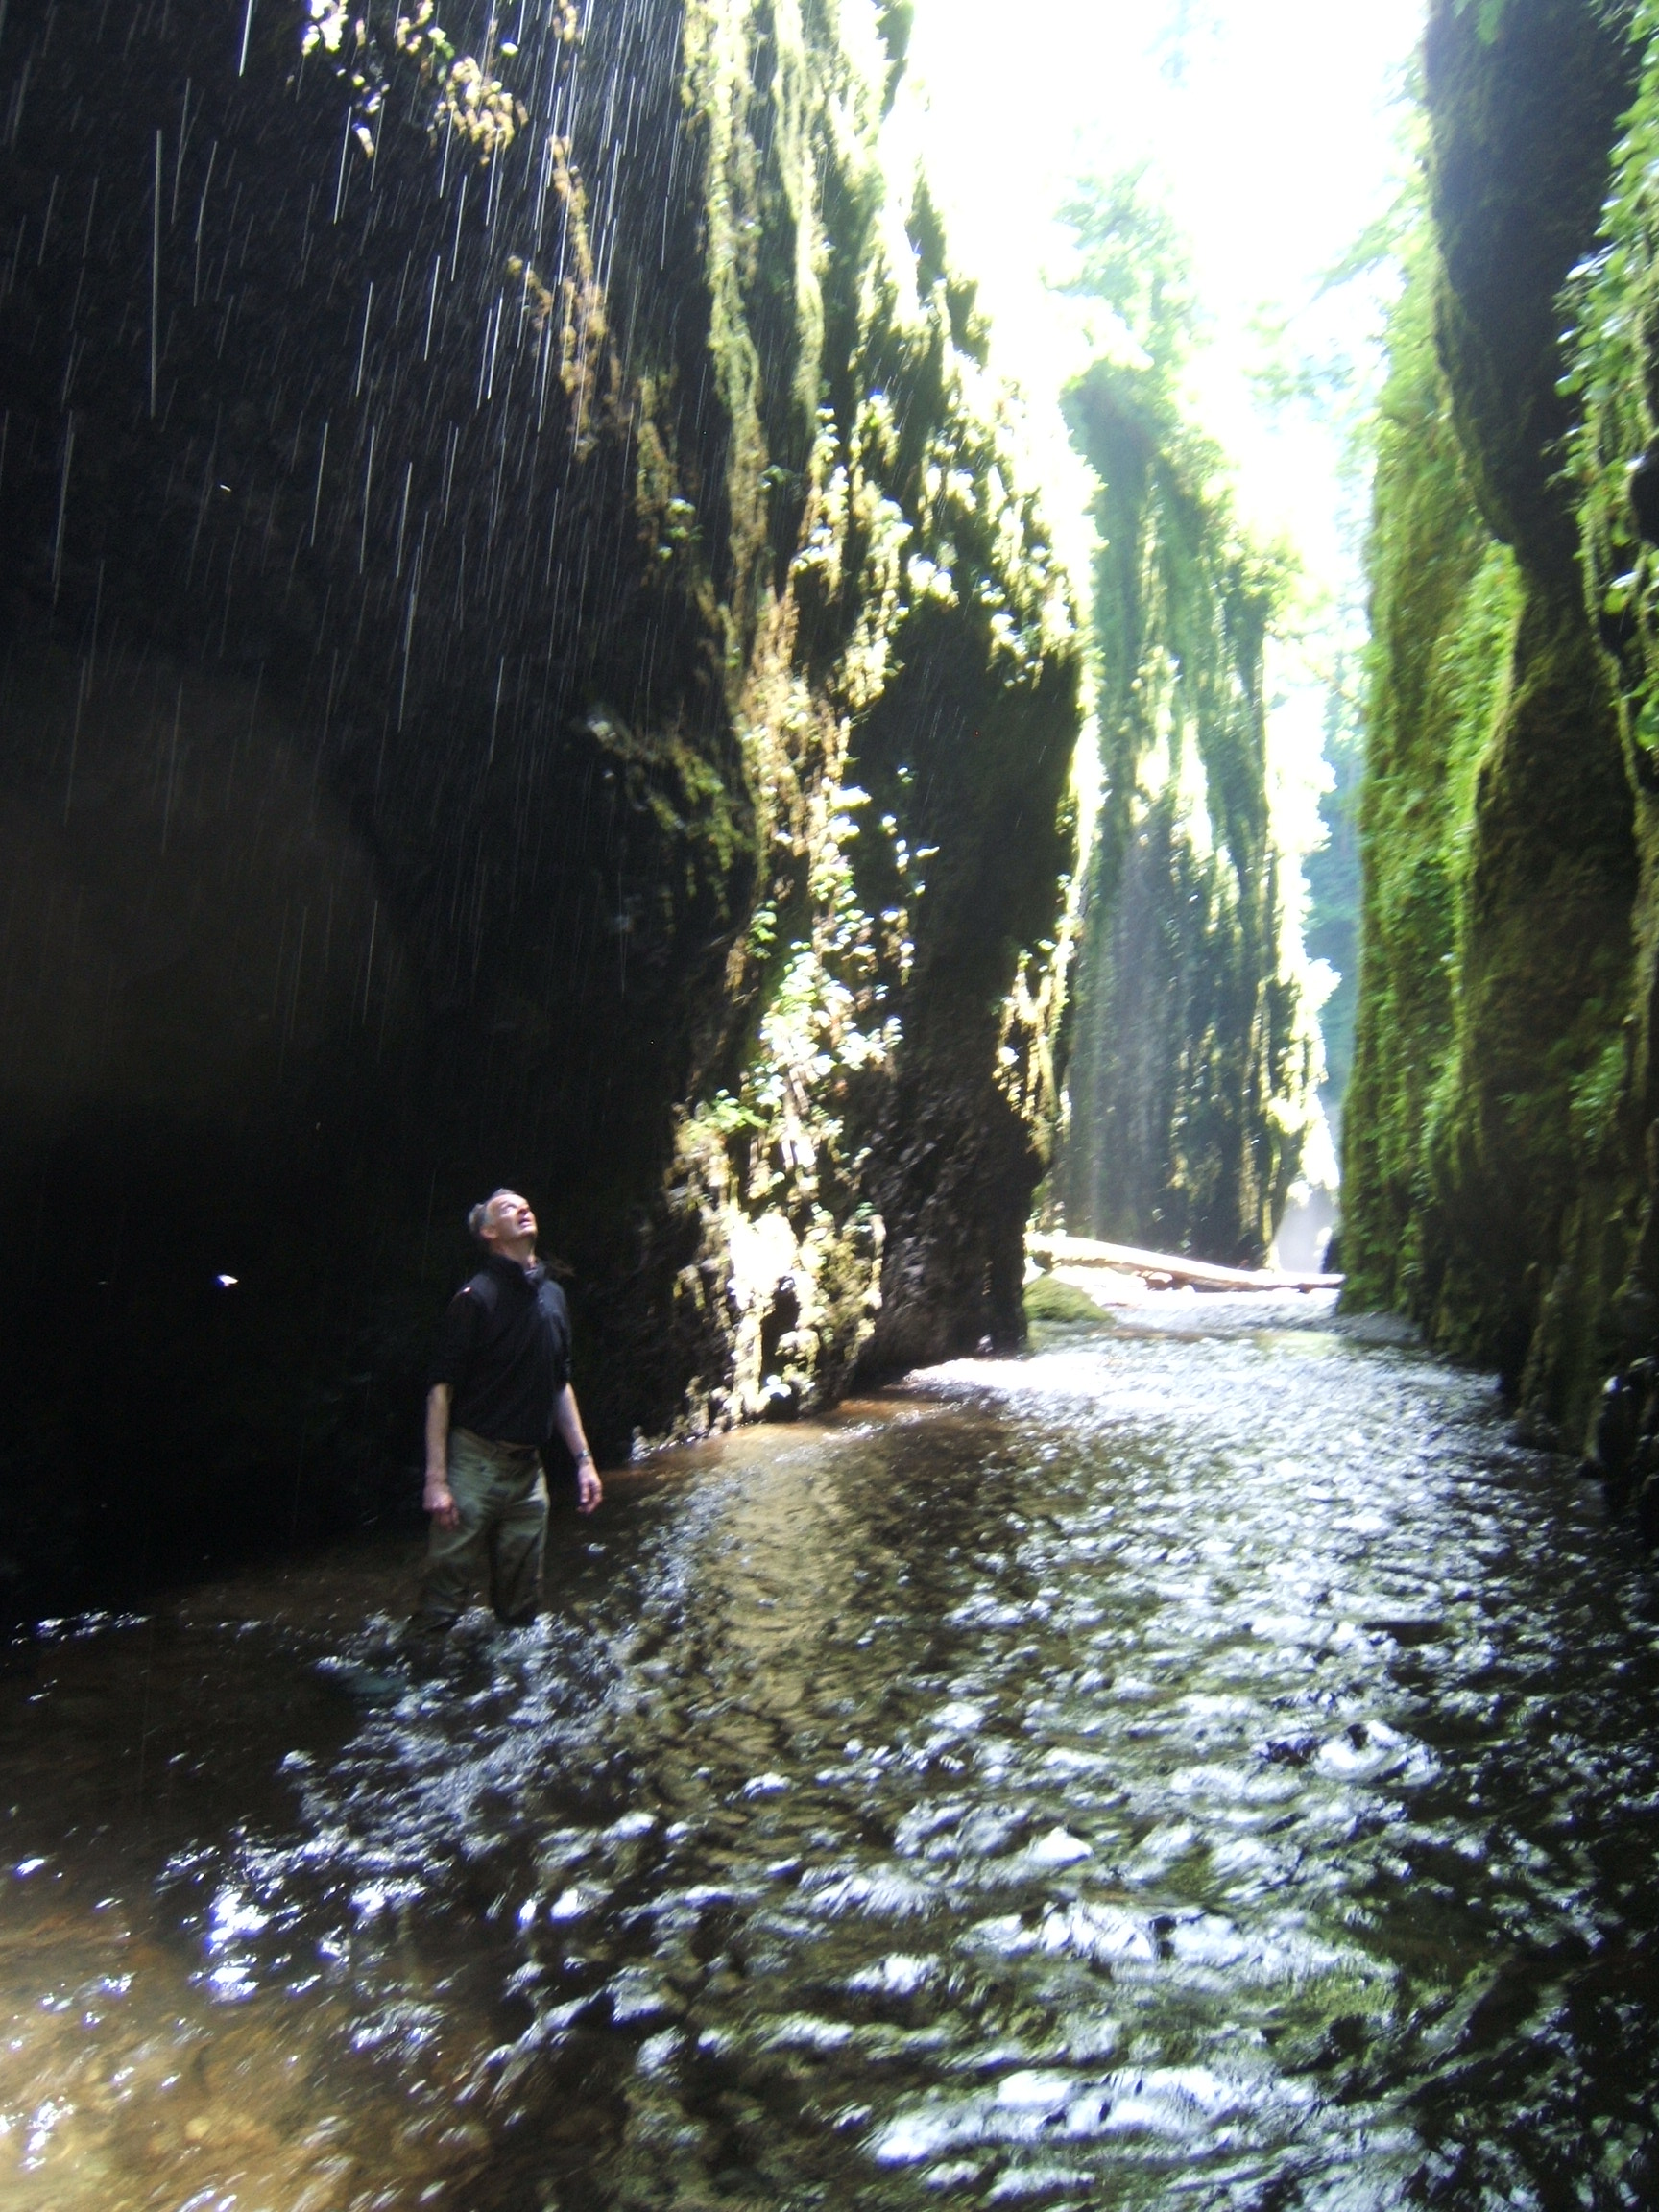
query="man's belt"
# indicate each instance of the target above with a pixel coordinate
(500, 1443)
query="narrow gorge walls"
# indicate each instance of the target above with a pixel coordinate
(524, 659)
(1496, 1176)
(1193, 1062)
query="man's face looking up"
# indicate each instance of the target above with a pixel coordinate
(509, 1223)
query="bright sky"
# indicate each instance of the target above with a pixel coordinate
(1271, 126)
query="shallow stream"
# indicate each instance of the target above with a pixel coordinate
(1201, 1764)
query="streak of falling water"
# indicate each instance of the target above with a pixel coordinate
(1205, 1765)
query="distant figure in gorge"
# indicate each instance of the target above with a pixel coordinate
(501, 1386)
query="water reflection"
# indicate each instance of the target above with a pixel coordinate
(1205, 1764)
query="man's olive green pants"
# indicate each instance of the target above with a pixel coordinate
(502, 1495)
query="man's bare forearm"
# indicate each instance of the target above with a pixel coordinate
(438, 1500)
(438, 1434)
(568, 1416)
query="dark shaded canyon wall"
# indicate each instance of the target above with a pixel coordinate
(522, 661)
(1494, 1185)
(1191, 1070)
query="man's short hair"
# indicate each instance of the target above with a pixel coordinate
(477, 1215)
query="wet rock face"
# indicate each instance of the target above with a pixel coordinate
(519, 665)
(1488, 1164)
(1192, 1074)
(1625, 1446)
(1522, 118)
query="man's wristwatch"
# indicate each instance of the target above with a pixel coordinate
(584, 1458)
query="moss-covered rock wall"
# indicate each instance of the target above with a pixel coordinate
(1490, 1181)
(522, 656)
(1191, 1067)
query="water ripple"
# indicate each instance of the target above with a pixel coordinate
(1205, 1764)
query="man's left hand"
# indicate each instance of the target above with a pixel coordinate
(588, 1487)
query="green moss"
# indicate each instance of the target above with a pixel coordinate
(590, 581)
(901, 675)
(1052, 1301)
(1191, 1067)
(1442, 611)
(1613, 298)
(1482, 1147)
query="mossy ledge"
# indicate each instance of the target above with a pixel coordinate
(523, 659)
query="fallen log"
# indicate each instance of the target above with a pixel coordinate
(1167, 1267)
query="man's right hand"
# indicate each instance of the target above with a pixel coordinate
(439, 1500)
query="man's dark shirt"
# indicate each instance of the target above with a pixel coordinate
(504, 1349)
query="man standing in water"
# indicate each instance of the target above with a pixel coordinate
(501, 1386)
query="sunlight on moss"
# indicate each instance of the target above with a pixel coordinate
(468, 101)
